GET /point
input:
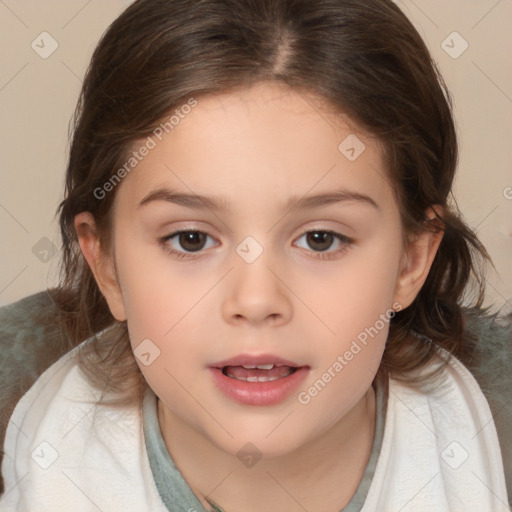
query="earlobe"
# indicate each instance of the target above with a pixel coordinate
(100, 263)
(417, 261)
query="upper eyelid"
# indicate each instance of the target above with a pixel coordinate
(204, 232)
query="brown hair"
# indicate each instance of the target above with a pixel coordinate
(364, 57)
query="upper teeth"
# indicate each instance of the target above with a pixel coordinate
(259, 366)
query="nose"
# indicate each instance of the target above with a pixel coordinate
(256, 294)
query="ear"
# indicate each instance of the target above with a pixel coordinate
(417, 260)
(101, 263)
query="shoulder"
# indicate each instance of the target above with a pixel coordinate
(65, 434)
(28, 421)
(62, 402)
(491, 366)
(57, 393)
(439, 431)
(30, 341)
(443, 422)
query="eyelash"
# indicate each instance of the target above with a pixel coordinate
(321, 255)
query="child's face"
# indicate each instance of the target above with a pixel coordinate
(304, 299)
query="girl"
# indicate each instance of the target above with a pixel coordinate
(261, 252)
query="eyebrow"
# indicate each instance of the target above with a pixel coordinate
(199, 202)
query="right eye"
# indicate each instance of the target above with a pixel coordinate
(185, 242)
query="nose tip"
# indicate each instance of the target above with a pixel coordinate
(255, 294)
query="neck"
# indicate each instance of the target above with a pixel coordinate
(321, 475)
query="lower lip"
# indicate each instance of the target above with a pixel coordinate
(259, 393)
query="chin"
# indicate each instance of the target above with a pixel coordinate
(263, 442)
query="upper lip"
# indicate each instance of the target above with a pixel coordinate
(259, 359)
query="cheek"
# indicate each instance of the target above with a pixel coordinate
(350, 359)
(355, 291)
(165, 309)
(155, 294)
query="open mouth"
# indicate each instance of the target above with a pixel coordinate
(258, 380)
(258, 373)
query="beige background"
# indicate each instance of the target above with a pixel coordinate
(37, 98)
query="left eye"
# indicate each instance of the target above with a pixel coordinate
(190, 241)
(321, 241)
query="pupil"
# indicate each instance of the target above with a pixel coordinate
(322, 240)
(189, 240)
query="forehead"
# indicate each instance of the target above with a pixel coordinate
(259, 144)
